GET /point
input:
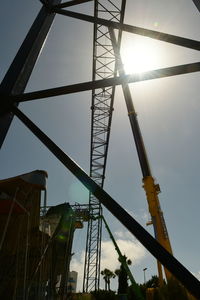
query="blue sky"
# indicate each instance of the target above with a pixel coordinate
(168, 113)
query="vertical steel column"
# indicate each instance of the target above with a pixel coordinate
(104, 66)
(18, 74)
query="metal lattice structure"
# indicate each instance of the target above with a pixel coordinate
(105, 78)
(104, 67)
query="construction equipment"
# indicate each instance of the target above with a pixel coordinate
(12, 92)
(152, 190)
(62, 220)
(104, 66)
(122, 259)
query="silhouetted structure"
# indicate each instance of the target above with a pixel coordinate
(12, 93)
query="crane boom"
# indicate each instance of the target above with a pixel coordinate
(149, 185)
(123, 261)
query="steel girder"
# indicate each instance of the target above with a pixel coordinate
(161, 36)
(102, 83)
(168, 260)
(160, 253)
(18, 74)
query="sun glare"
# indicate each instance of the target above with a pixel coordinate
(140, 55)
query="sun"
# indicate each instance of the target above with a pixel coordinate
(140, 55)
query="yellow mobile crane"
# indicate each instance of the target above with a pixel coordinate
(151, 188)
(157, 219)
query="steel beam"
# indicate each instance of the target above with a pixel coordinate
(168, 38)
(169, 261)
(197, 3)
(18, 74)
(71, 3)
(103, 83)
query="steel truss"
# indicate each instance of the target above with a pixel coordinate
(104, 67)
(12, 92)
(168, 260)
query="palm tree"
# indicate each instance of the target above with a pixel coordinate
(107, 275)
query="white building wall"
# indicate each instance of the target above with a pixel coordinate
(72, 281)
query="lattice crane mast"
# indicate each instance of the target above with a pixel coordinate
(104, 67)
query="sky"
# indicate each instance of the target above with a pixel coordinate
(168, 113)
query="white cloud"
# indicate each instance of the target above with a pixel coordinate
(109, 258)
(145, 216)
(142, 215)
(132, 249)
(127, 245)
(124, 235)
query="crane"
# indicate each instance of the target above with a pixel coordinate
(104, 66)
(123, 262)
(12, 92)
(151, 188)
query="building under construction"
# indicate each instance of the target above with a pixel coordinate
(36, 243)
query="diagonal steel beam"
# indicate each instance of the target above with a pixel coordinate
(86, 86)
(172, 39)
(169, 261)
(197, 3)
(18, 74)
(71, 3)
